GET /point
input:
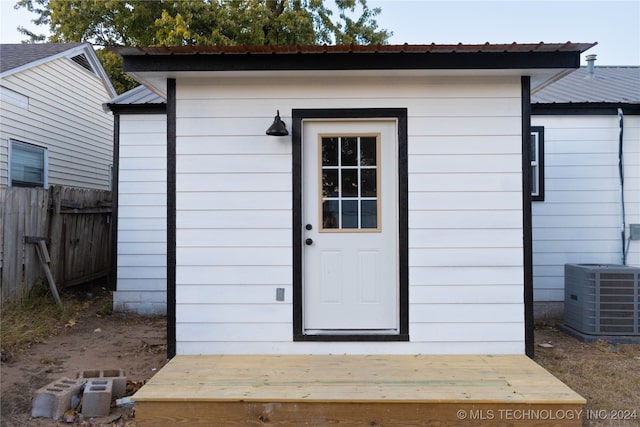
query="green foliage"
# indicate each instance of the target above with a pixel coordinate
(112, 64)
(203, 22)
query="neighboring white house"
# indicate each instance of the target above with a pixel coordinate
(579, 215)
(392, 219)
(52, 127)
(140, 201)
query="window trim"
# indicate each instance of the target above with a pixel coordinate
(45, 161)
(539, 197)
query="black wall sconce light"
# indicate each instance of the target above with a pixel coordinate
(278, 128)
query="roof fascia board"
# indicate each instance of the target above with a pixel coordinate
(137, 108)
(97, 66)
(584, 109)
(352, 61)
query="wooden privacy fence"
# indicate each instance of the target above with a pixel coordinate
(75, 225)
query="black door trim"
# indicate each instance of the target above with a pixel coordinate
(400, 114)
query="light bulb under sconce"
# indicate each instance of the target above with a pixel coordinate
(278, 128)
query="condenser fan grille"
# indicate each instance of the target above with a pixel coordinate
(602, 299)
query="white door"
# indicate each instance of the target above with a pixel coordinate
(350, 221)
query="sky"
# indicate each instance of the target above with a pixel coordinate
(614, 24)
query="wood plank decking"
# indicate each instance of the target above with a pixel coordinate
(340, 390)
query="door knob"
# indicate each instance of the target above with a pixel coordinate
(308, 227)
(309, 242)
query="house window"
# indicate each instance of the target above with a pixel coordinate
(28, 165)
(537, 163)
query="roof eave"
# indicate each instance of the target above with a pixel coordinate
(543, 62)
(352, 61)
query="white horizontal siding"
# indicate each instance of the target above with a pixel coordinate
(465, 238)
(466, 200)
(449, 338)
(475, 294)
(233, 219)
(472, 276)
(64, 114)
(234, 212)
(141, 224)
(452, 313)
(312, 90)
(145, 302)
(457, 163)
(445, 182)
(465, 219)
(272, 347)
(446, 107)
(247, 255)
(452, 144)
(231, 275)
(233, 313)
(231, 145)
(142, 215)
(580, 219)
(239, 200)
(233, 293)
(236, 164)
(236, 238)
(141, 273)
(200, 182)
(258, 332)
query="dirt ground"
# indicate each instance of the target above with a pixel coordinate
(132, 343)
(607, 375)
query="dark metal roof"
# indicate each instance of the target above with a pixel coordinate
(139, 100)
(16, 55)
(320, 49)
(607, 85)
(514, 56)
(139, 95)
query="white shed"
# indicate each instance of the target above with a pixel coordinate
(391, 220)
(52, 128)
(139, 228)
(588, 123)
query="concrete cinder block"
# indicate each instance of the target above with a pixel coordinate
(96, 400)
(54, 399)
(117, 377)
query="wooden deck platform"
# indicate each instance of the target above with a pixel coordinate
(341, 390)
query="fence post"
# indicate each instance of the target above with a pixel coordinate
(55, 233)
